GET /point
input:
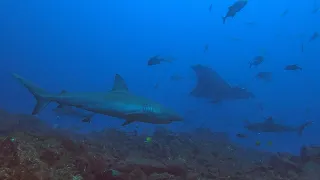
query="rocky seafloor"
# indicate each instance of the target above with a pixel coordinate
(32, 150)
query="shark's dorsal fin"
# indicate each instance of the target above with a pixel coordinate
(269, 120)
(119, 84)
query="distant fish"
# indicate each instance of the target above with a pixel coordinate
(156, 85)
(284, 13)
(155, 60)
(256, 61)
(314, 36)
(266, 76)
(210, 7)
(241, 135)
(292, 67)
(315, 10)
(250, 23)
(206, 48)
(73, 112)
(234, 9)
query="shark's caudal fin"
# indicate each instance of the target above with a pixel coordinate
(119, 84)
(303, 126)
(37, 92)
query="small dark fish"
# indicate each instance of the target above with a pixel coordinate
(285, 12)
(256, 61)
(155, 60)
(251, 23)
(266, 76)
(314, 36)
(210, 7)
(241, 135)
(206, 48)
(292, 67)
(156, 86)
(234, 9)
(315, 10)
(63, 110)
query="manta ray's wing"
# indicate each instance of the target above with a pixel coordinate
(209, 83)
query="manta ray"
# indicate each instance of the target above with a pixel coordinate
(211, 85)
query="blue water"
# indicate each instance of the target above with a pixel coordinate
(80, 45)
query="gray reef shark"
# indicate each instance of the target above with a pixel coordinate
(118, 102)
(70, 111)
(210, 85)
(270, 126)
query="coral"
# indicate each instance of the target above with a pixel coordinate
(32, 150)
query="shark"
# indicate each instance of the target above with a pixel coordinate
(118, 102)
(211, 85)
(268, 125)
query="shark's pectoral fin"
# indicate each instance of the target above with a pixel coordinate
(127, 122)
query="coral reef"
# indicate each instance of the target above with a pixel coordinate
(32, 150)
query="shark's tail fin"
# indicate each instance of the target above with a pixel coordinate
(303, 126)
(37, 92)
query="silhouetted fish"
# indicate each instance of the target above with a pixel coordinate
(206, 48)
(266, 76)
(314, 36)
(292, 67)
(157, 60)
(234, 9)
(284, 13)
(256, 61)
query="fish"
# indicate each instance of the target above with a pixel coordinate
(241, 135)
(234, 9)
(155, 60)
(206, 48)
(210, 7)
(117, 102)
(284, 13)
(270, 126)
(256, 61)
(315, 10)
(210, 85)
(314, 36)
(292, 67)
(70, 111)
(266, 76)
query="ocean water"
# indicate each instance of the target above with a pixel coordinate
(81, 45)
